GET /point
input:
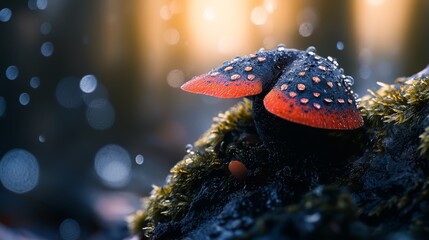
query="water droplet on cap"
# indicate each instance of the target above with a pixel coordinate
(189, 148)
(311, 49)
(349, 81)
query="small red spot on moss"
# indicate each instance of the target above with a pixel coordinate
(238, 169)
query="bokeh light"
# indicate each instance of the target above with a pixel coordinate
(12, 72)
(139, 159)
(68, 92)
(19, 171)
(259, 15)
(171, 36)
(2, 106)
(5, 15)
(42, 4)
(88, 83)
(42, 138)
(100, 92)
(47, 49)
(175, 78)
(24, 99)
(100, 114)
(340, 45)
(306, 29)
(69, 229)
(113, 165)
(45, 28)
(35, 82)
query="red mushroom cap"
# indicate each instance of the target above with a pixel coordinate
(301, 87)
(313, 92)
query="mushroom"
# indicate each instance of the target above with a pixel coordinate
(297, 86)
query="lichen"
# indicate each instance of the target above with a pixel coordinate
(171, 201)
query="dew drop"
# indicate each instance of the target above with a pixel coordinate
(24, 99)
(35, 82)
(12, 72)
(281, 47)
(5, 15)
(349, 81)
(139, 159)
(311, 50)
(47, 49)
(189, 148)
(340, 45)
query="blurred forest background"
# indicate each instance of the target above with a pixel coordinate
(91, 113)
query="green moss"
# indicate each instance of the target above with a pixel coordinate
(396, 104)
(171, 201)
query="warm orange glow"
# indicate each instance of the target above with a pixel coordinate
(195, 35)
(380, 25)
(217, 28)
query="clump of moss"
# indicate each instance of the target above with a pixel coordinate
(397, 103)
(171, 201)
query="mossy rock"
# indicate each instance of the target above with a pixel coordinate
(380, 189)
